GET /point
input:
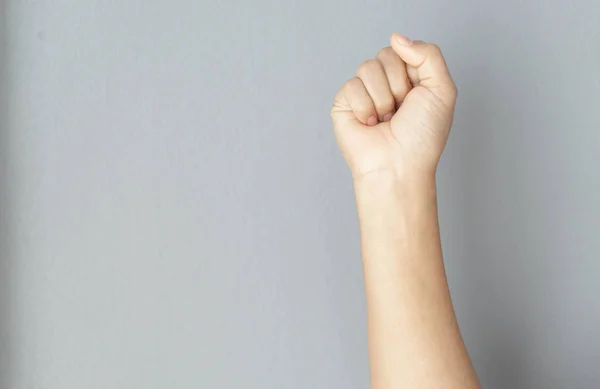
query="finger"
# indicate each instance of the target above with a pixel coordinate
(373, 77)
(353, 96)
(426, 66)
(395, 70)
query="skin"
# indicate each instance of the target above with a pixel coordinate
(392, 121)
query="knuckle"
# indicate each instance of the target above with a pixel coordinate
(352, 85)
(347, 90)
(386, 52)
(368, 66)
(435, 50)
(353, 89)
(362, 109)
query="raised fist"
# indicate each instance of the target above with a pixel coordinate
(395, 114)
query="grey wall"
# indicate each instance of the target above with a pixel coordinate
(174, 212)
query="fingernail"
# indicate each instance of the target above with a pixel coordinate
(401, 39)
(372, 121)
(387, 117)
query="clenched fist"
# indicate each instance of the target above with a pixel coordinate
(395, 114)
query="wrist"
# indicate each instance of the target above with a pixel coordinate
(397, 213)
(390, 197)
(401, 183)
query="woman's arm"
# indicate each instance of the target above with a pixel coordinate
(414, 339)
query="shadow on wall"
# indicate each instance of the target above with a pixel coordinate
(5, 211)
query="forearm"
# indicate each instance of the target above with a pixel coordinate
(414, 340)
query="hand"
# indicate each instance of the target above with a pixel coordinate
(396, 113)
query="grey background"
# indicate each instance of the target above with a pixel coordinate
(175, 214)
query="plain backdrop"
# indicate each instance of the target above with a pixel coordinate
(174, 211)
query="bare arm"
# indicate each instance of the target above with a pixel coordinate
(414, 339)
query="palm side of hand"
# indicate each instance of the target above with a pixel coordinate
(396, 115)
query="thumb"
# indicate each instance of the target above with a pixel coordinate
(426, 67)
